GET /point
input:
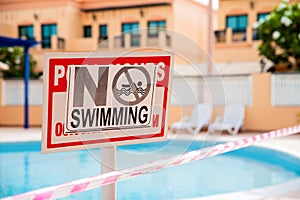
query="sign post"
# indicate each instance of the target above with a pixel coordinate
(108, 164)
(93, 101)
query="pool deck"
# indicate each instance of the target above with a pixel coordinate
(286, 191)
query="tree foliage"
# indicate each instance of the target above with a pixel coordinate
(14, 58)
(280, 35)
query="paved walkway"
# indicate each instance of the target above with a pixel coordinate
(20, 134)
(286, 191)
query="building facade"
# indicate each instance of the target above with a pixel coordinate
(236, 40)
(86, 25)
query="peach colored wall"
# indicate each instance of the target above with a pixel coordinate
(261, 115)
(228, 52)
(190, 18)
(6, 29)
(66, 17)
(14, 116)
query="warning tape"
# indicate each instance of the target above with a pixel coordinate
(85, 184)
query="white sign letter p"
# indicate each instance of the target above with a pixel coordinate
(59, 73)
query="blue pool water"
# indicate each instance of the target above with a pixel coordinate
(23, 168)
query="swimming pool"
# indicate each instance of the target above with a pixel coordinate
(23, 168)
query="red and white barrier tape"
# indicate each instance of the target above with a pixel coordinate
(85, 184)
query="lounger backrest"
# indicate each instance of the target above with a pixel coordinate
(234, 114)
(202, 111)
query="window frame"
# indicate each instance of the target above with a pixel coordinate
(103, 37)
(157, 28)
(87, 33)
(134, 33)
(46, 40)
(255, 33)
(262, 13)
(238, 18)
(27, 35)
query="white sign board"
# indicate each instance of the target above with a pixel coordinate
(95, 101)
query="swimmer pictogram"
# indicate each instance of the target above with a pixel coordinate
(131, 93)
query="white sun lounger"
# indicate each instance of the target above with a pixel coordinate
(232, 120)
(200, 117)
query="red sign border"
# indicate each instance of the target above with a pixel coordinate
(83, 58)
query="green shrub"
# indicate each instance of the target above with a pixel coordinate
(14, 58)
(280, 35)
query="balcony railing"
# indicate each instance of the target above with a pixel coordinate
(60, 43)
(127, 40)
(135, 40)
(220, 36)
(54, 43)
(239, 36)
(228, 36)
(103, 42)
(169, 40)
(118, 42)
(152, 40)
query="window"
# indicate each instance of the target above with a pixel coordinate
(262, 15)
(133, 29)
(26, 32)
(103, 32)
(130, 27)
(154, 27)
(47, 31)
(87, 31)
(237, 23)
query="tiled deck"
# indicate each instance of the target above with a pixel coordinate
(286, 191)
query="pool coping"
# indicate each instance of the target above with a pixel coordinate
(290, 145)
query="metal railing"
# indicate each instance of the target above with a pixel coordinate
(103, 42)
(220, 36)
(60, 43)
(169, 40)
(285, 90)
(135, 40)
(229, 89)
(13, 92)
(239, 36)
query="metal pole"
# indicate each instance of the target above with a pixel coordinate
(108, 164)
(26, 88)
(210, 39)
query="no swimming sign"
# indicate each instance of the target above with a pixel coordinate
(91, 100)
